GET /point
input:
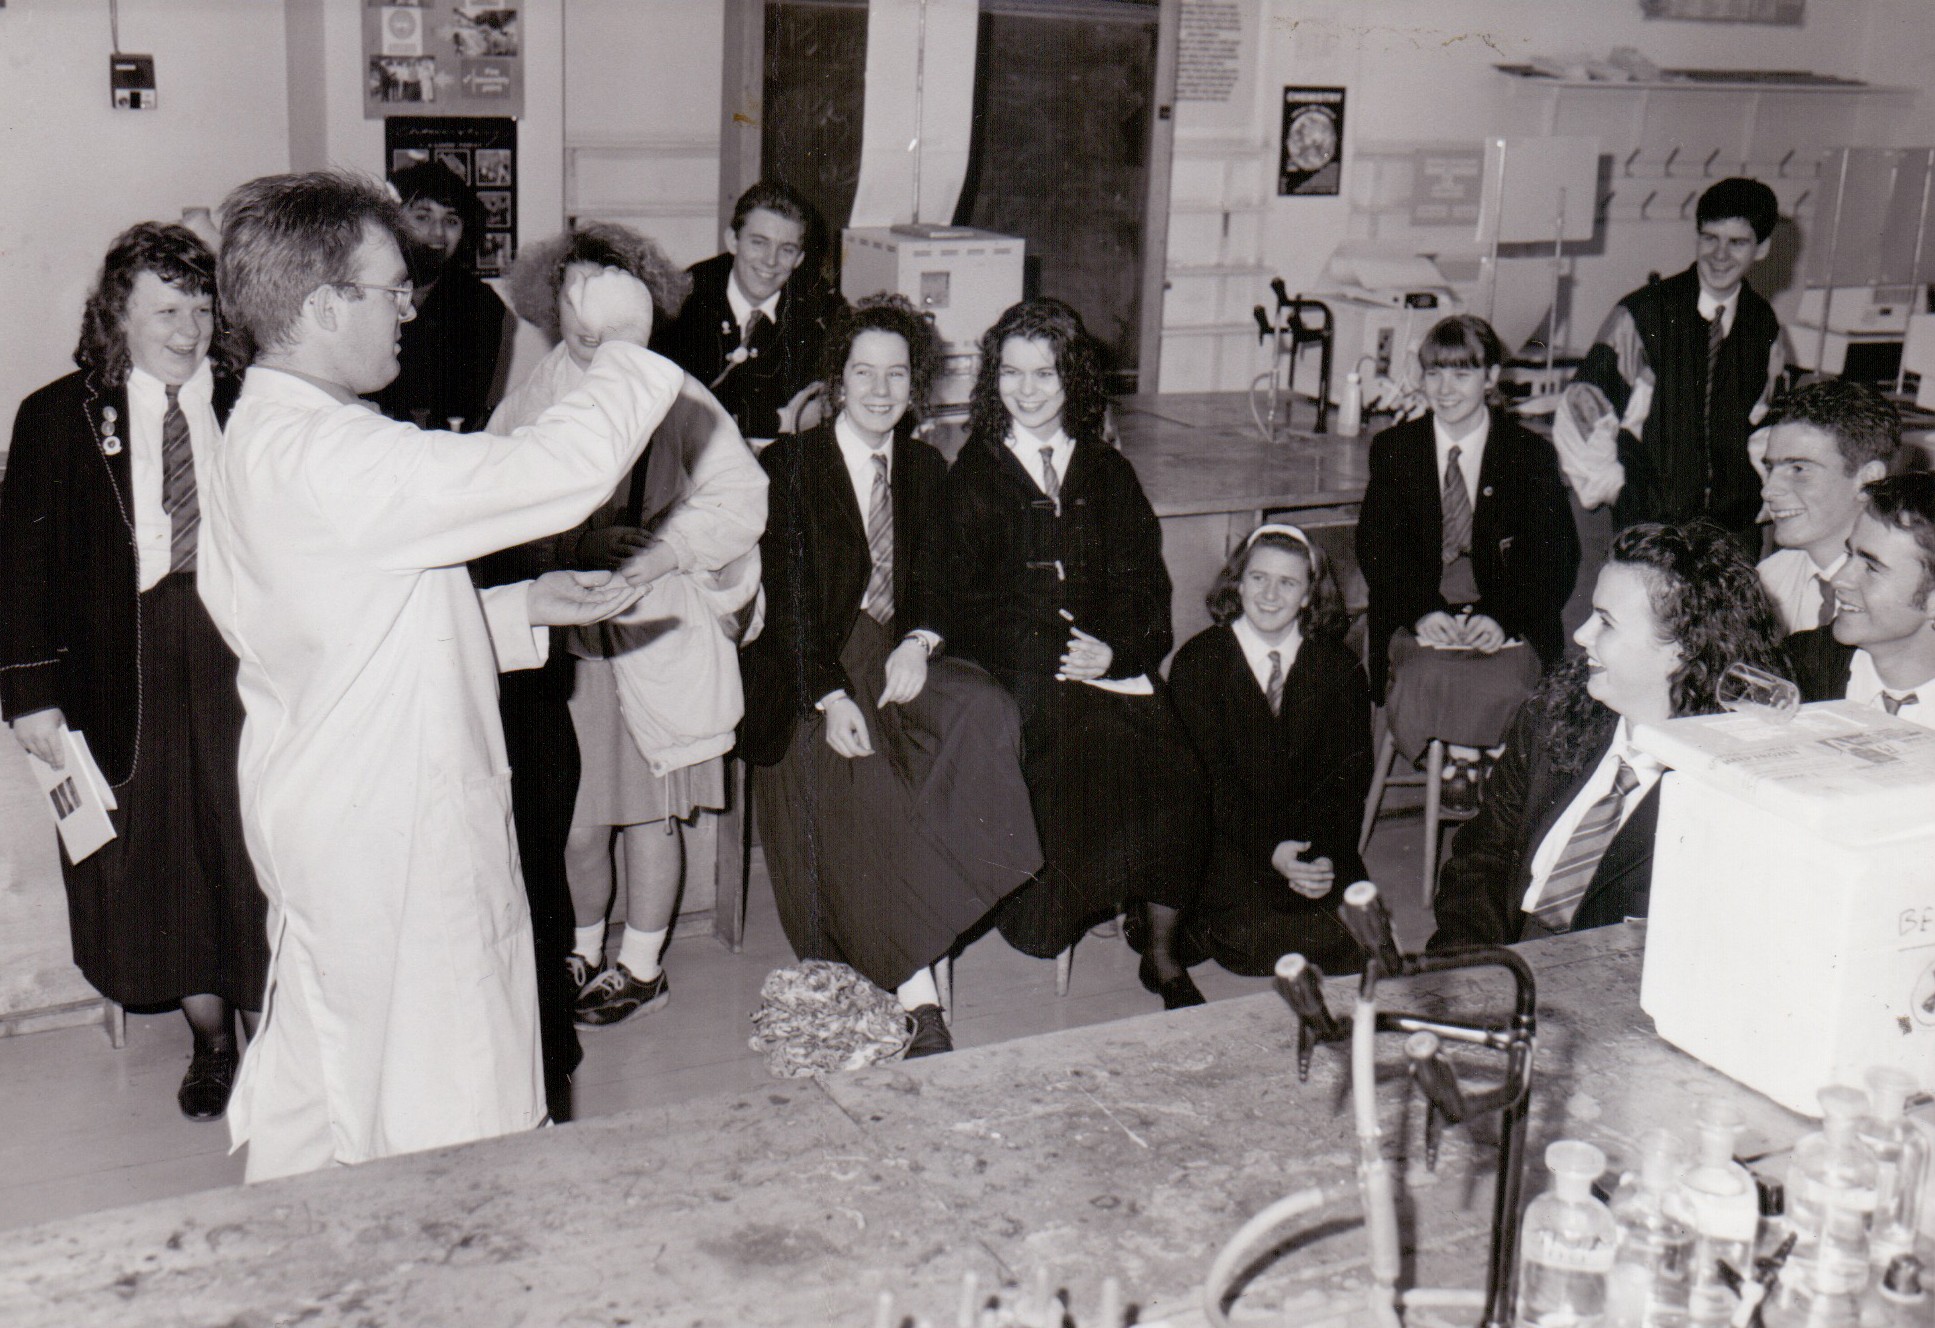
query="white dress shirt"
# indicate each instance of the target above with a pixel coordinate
(741, 306)
(1028, 453)
(1256, 651)
(1797, 587)
(1725, 308)
(1553, 845)
(1866, 688)
(154, 528)
(1471, 453)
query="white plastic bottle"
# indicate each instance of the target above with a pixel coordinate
(1831, 1202)
(1653, 1262)
(1350, 409)
(1566, 1244)
(1901, 1157)
(1719, 1195)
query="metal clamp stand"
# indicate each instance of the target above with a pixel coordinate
(1364, 914)
(1299, 322)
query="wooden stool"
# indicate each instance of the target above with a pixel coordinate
(944, 979)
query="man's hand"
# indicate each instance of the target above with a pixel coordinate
(1483, 634)
(39, 733)
(806, 409)
(906, 673)
(1086, 657)
(607, 548)
(572, 599)
(846, 728)
(1312, 880)
(607, 305)
(1439, 629)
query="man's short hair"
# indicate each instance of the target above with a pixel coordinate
(1739, 196)
(774, 196)
(285, 235)
(438, 183)
(173, 253)
(1907, 502)
(1864, 425)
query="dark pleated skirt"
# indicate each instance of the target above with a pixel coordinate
(169, 907)
(1248, 917)
(1121, 803)
(883, 862)
(1457, 696)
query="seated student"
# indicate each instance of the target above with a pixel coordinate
(1280, 714)
(1467, 543)
(752, 329)
(1687, 365)
(450, 351)
(655, 693)
(1564, 838)
(1880, 650)
(1056, 586)
(1830, 439)
(887, 777)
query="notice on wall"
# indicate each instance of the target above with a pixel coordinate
(1782, 13)
(430, 56)
(1446, 186)
(1311, 162)
(1209, 52)
(480, 151)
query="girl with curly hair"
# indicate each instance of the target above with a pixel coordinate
(888, 776)
(1056, 586)
(1280, 713)
(1563, 839)
(654, 694)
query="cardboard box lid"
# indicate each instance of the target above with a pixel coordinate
(1848, 772)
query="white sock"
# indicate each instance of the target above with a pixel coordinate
(638, 952)
(588, 943)
(919, 990)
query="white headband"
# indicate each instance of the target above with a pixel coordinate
(1288, 532)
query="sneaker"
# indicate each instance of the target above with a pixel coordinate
(580, 970)
(614, 996)
(931, 1037)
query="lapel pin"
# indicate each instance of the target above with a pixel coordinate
(1486, 492)
(111, 443)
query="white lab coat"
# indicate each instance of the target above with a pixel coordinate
(375, 790)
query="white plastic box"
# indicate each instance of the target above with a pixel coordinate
(963, 277)
(1791, 942)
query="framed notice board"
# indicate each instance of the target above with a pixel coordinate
(479, 150)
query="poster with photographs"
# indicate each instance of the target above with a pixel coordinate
(1781, 13)
(482, 152)
(1312, 160)
(432, 56)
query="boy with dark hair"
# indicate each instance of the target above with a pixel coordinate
(1686, 364)
(1880, 651)
(1829, 440)
(752, 328)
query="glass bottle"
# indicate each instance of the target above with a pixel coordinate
(1901, 1157)
(1653, 1262)
(1831, 1200)
(1719, 1195)
(1566, 1244)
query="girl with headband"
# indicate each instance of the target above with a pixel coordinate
(1280, 713)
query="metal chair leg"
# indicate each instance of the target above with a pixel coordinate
(1380, 780)
(1434, 766)
(1063, 963)
(115, 1019)
(944, 983)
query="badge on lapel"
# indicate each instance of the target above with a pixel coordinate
(110, 439)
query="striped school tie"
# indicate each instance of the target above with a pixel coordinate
(1893, 704)
(1274, 688)
(1051, 483)
(178, 485)
(1566, 886)
(1824, 617)
(880, 545)
(1456, 504)
(1716, 338)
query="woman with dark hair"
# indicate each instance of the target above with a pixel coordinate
(1056, 586)
(102, 633)
(1280, 714)
(1564, 838)
(655, 693)
(1467, 544)
(889, 784)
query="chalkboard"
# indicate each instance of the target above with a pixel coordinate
(816, 69)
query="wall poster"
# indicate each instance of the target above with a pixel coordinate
(1785, 13)
(482, 152)
(430, 55)
(1312, 160)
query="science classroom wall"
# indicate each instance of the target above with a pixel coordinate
(74, 171)
(1421, 71)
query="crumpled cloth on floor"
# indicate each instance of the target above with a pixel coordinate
(817, 1016)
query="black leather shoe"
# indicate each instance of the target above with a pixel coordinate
(205, 1088)
(1177, 993)
(1460, 796)
(931, 1037)
(614, 996)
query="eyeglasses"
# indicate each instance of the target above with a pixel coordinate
(403, 295)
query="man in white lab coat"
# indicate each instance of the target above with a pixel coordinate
(375, 791)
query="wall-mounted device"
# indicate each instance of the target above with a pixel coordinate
(132, 80)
